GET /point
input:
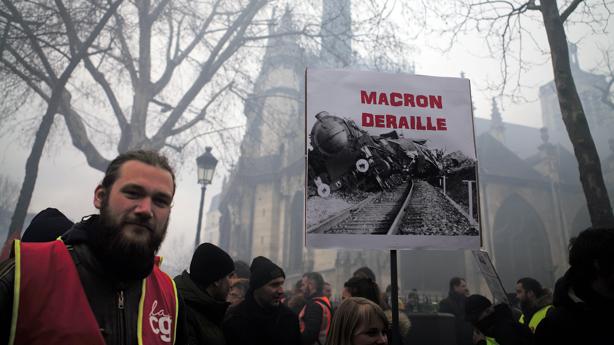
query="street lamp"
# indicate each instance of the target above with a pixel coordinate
(205, 168)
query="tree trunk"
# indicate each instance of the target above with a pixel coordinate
(58, 95)
(29, 180)
(574, 118)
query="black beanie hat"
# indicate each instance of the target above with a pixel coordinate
(46, 226)
(474, 306)
(263, 271)
(210, 263)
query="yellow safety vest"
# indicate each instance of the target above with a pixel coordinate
(536, 318)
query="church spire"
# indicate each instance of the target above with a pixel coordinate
(497, 127)
(336, 33)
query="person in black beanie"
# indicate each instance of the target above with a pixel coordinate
(495, 322)
(47, 225)
(261, 318)
(204, 290)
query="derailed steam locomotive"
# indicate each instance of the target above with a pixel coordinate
(344, 157)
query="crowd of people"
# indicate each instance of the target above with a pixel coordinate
(99, 282)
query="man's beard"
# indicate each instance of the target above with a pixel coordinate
(125, 258)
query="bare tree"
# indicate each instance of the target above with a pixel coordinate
(163, 72)
(503, 24)
(52, 41)
(56, 95)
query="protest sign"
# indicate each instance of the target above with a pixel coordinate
(391, 161)
(490, 275)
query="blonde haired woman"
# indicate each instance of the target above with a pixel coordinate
(358, 321)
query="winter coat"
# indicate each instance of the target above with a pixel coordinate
(314, 320)
(249, 323)
(503, 328)
(101, 292)
(204, 313)
(455, 305)
(533, 316)
(580, 315)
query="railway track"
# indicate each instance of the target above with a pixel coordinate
(374, 215)
(412, 208)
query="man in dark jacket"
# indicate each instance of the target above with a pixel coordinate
(455, 304)
(584, 296)
(495, 324)
(92, 287)
(316, 315)
(261, 319)
(204, 291)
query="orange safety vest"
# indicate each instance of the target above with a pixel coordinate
(324, 303)
(50, 305)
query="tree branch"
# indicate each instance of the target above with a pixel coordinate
(125, 57)
(80, 140)
(216, 58)
(531, 6)
(144, 44)
(31, 38)
(73, 119)
(180, 148)
(29, 67)
(567, 12)
(606, 93)
(27, 79)
(171, 33)
(165, 78)
(5, 34)
(201, 115)
(165, 106)
(98, 76)
(158, 10)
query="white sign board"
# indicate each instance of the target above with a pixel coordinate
(490, 275)
(391, 161)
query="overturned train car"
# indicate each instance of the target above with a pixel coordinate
(344, 157)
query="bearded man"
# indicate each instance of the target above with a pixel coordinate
(100, 283)
(535, 302)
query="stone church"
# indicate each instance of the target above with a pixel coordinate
(531, 200)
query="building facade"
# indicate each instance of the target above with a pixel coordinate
(531, 200)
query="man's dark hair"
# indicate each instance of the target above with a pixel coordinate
(364, 287)
(317, 279)
(591, 255)
(530, 284)
(455, 281)
(364, 272)
(144, 156)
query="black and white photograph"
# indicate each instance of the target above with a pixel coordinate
(390, 167)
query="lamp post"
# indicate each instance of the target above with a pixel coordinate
(205, 168)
